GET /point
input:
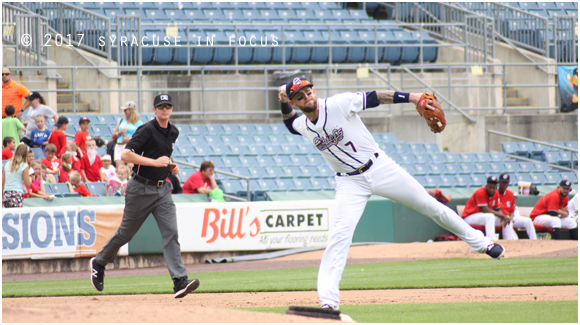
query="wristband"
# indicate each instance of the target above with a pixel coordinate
(286, 109)
(400, 97)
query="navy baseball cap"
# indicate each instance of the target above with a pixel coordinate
(162, 99)
(294, 86)
(565, 184)
(33, 95)
(492, 180)
(504, 177)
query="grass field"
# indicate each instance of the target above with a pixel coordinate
(439, 273)
(475, 312)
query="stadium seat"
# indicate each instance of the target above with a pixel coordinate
(454, 158)
(482, 168)
(469, 158)
(231, 161)
(523, 177)
(38, 153)
(466, 169)
(539, 179)
(265, 161)
(410, 54)
(510, 147)
(420, 170)
(97, 188)
(478, 180)
(462, 181)
(497, 157)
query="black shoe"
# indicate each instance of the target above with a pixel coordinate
(182, 286)
(97, 274)
(495, 250)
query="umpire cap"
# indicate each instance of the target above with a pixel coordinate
(294, 86)
(162, 99)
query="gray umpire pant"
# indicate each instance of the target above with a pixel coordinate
(140, 201)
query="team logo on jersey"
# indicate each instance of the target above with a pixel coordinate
(323, 143)
(508, 204)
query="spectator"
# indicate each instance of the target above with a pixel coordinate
(65, 167)
(46, 177)
(117, 185)
(51, 162)
(8, 144)
(29, 157)
(14, 174)
(11, 125)
(36, 188)
(75, 185)
(91, 163)
(509, 208)
(13, 93)
(57, 137)
(76, 155)
(174, 179)
(39, 136)
(125, 129)
(483, 208)
(83, 134)
(551, 211)
(107, 171)
(201, 181)
(37, 108)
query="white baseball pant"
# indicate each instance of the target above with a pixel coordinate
(387, 179)
(548, 221)
(490, 221)
(524, 222)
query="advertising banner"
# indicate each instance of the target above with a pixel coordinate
(80, 231)
(58, 232)
(568, 81)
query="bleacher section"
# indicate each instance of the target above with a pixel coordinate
(288, 14)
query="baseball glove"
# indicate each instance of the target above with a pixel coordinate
(435, 119)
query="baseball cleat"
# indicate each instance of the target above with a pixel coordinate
(97, 275)
(327, 306)
(495, 250)
(183, 286)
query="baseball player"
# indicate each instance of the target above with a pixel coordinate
(507, 203)
(362, 169)
(551, 211)
(483, 209)
(573, 208)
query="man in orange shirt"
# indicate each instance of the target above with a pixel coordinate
(508, 207)
(483, 208)
(13, 93)
(551, 211)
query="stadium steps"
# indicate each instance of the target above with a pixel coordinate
(65, 103)
(513, 100)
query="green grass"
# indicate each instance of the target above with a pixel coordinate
(440, 273)
(475, 312)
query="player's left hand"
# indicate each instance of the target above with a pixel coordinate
(174, 169)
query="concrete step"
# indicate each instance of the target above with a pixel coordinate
(517, 101)
(62, 86)
(67, 98)
(511, 92)
(68, 107)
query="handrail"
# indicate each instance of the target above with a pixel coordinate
(519, 51)
(383, 79)
(224, 173)
(469, 118)
(489, 132)
(533, 160)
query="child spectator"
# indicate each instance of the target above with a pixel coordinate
(107, 171)
(39, 136)
(83, 134)
(76, 154)
(11, 125)
(14, 174)
(91, 163)
(57, 137)
(75, 185)
(29, 157)
(9, 144)
(45, 176)
(118, 183)
(51, 162)
(65, 167)
(36, 188)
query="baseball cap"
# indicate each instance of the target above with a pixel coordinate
(33, 95)
(294, 86)
(129, 105)
(492, 179)
(565, 184)
(504, 177)
(61, 120)
(162, 99)
(106, 157)
(84, 119)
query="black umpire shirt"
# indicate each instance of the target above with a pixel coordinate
(152, 141)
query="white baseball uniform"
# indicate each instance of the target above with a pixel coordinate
(346, 144)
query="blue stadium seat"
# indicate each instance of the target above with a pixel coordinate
(454, 157)
(523, 177)
(387, 147)
(232, 186)
(318, 54)
(301, 160)
(435, 169)
(462, 181)
(290, 148)
(422, 158)
(498, 157)
(409, 168)
(541, 166)
(274, 149)
(241, 171)
(355, 54)
(552, 157)
(339, 54)
(197, 140)
(257, 149)
(410, 54)
(185, 172)
(478, 180)
(447, 181)
(229, 139)
(204, 150)
(429, 53)
(265, 161)
(565, 159)
(221, 36)
(497, 167)
(417, 147)
(38, 153)
(466, 168)
(572, 177)
(510, 147)
(282, 160)
(275, 172)
(402, 147)
(202, 54)
(482, 168)
(262, 128)
(315, 160)
(469, 158)
(451, 169)
(325, 171)
(97, 188)
(231, 161)
(511, 167)
(420, 170)
(408, 158)
(422, 180)
(526, 167)
(258, 172)
(483, 157)
(221, 150)
(539, 179)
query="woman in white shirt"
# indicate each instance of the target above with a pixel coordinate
(125, 129)
(14, 175)
(37, 107)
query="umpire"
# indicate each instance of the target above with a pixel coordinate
(148, 192)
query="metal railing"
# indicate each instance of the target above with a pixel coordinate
(24, 32)
(476, 32)
(490, 132)
(554, 37)
(246, 178)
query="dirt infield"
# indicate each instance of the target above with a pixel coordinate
(208, 307)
